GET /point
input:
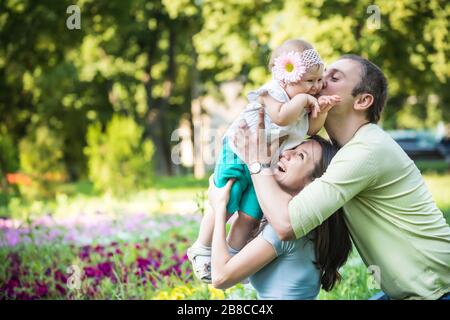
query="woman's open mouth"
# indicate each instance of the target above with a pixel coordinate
(281, 166)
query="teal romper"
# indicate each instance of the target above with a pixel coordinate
(242, 194)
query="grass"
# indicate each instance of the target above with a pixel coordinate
(439, 186)
(181, 182)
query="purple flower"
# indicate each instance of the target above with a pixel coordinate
(41, 289)
(10, 285)
(59, 276)
(99, 249)
(60, 288)
(105, 268)
(177, 270)
(142, 263)
(84, 255)
(155, 264)
(90, 272)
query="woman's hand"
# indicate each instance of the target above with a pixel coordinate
(218, 197)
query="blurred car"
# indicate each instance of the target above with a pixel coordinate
(422, 145)
(444, 148)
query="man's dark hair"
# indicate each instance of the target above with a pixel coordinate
(372, 81)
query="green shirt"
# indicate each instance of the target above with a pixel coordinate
(393, 220)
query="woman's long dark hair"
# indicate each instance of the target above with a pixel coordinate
(332, 243)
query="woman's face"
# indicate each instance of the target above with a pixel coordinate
(295, 166)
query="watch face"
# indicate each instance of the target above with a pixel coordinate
(255, 167)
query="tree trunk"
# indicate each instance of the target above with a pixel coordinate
(156, 125)
(195, 119)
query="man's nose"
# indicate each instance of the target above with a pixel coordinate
(324, 84)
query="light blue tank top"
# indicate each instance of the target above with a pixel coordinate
(292, 275)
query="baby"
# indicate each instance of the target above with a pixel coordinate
(292, 111)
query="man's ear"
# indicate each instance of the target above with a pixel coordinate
(363, 102)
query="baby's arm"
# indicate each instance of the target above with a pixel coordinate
(325, 103)
(286, 113)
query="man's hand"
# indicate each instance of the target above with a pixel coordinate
(253, 146)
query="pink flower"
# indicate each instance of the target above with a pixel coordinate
(289, 67)
(12, 237)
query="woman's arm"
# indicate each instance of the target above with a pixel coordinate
(283, 114)
(227, 270)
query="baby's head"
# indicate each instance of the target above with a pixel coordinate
(297, 66)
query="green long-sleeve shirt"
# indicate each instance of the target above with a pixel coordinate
(393, 220)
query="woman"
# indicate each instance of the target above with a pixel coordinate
(278, 269)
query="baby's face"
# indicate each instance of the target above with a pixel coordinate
(311, 83)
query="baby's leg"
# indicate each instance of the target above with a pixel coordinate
(250, 214)
(207, 223)
(240, 230)
(206, 229)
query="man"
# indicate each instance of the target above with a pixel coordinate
(395, 225)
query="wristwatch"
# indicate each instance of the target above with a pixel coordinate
(256, 167)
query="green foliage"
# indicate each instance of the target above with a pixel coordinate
(150, 59)
(9, 161)
(41, 159)
(119, 160)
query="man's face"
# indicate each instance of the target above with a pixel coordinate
(340, 79)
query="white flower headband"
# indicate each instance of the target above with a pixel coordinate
(291, 66)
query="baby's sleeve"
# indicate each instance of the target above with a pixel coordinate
(270, 89)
